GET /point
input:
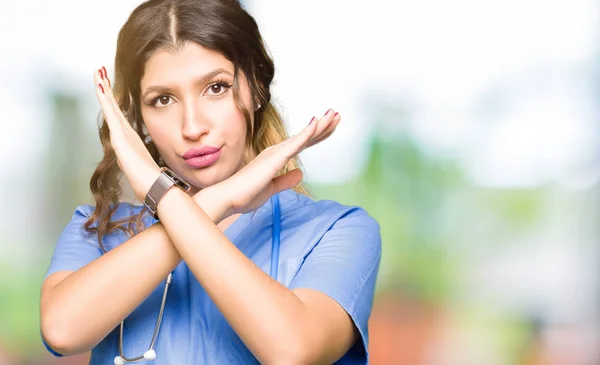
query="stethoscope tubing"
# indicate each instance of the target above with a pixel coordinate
(274, 268)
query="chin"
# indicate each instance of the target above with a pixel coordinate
(205, 178)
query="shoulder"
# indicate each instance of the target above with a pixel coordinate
(343, 229)
(123, 211)
(84, 212)
(77, 247)
(299, 209)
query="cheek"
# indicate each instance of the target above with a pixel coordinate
(160, 125)
(234, 132)
(158, 134)
(161, 137)
(234, 126)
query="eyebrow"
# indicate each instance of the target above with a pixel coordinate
(200, 81)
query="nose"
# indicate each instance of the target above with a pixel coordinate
(194, 122)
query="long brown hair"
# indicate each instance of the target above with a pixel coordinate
(219, 25)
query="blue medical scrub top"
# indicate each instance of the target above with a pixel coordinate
(325, 246)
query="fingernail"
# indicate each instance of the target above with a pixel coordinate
(101, 88)
(106, 75)
(309, 123)
(328, 110)
(336, 113)
(101, 75)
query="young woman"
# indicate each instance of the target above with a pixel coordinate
(256, 271)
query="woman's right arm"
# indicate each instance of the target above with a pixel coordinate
(79, 308)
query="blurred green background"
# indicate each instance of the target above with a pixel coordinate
(470, 132)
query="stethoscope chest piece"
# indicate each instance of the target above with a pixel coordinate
(148, 355)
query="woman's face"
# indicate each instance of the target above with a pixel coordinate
(188, 108)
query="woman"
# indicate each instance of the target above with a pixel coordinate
(191, 126)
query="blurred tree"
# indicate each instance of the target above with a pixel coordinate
(69, 163)
(405, 192)
(430, 213)
(65, 174)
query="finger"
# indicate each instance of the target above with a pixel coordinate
(111, 97)
(107, 110)
(286, 181)
(326, 132)
(109, 91)
(292, 145)
(315, 127)
(106, 76)
(106, 89)
(326, 121)
(321, 139)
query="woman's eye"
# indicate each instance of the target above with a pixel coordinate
(218, 88)
(163, 100)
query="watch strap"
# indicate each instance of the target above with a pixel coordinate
(165, 181)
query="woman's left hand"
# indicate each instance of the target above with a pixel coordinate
(255, 183)
(132, 155)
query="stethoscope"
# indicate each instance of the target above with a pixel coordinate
(151, 354)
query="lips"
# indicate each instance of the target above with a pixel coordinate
(204, 150)
(202, 157)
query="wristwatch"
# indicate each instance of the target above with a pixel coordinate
(163, 183)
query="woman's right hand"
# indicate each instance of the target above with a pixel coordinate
(255, 183)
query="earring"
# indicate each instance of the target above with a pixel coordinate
(161, 162)
(148, 139)
(258, 107)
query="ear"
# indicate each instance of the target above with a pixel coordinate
(257, 104)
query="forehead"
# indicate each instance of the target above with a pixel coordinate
(167, 66)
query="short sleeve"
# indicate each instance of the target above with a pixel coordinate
(75, 247)
(344, 265)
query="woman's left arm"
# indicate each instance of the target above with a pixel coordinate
(279, 326)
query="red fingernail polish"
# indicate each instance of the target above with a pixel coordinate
(106, 75)
(101, 88)
(309, 123)
(101, 75)
(327, 112)
(336, 113)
